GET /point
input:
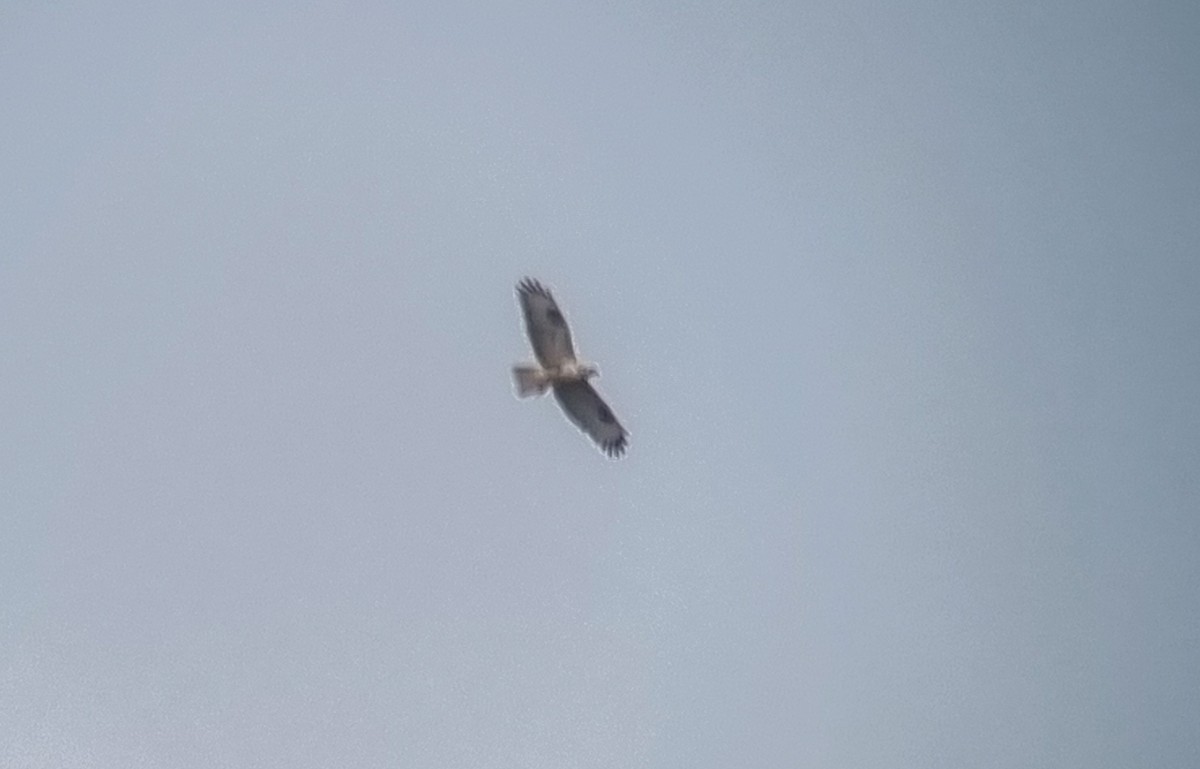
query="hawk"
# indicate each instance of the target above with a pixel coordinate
(562, 372)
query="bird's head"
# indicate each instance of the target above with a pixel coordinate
(588, 370)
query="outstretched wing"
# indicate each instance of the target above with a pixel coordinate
(545, 324)
(584, 406)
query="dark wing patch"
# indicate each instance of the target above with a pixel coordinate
(545, 325)
(588, 411)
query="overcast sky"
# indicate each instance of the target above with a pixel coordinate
(899, 301)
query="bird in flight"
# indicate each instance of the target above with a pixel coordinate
(562, 372)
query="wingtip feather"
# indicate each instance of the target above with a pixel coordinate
(615, 449)
(529, 285)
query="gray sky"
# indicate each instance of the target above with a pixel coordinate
(898, 300)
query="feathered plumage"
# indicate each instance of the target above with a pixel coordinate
(545, 324)
(584, 406)
(560, 370)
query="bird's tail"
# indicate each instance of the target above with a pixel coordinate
(530, 380)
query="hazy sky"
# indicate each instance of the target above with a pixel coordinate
(899, 301)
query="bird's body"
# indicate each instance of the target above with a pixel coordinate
(562, 372)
